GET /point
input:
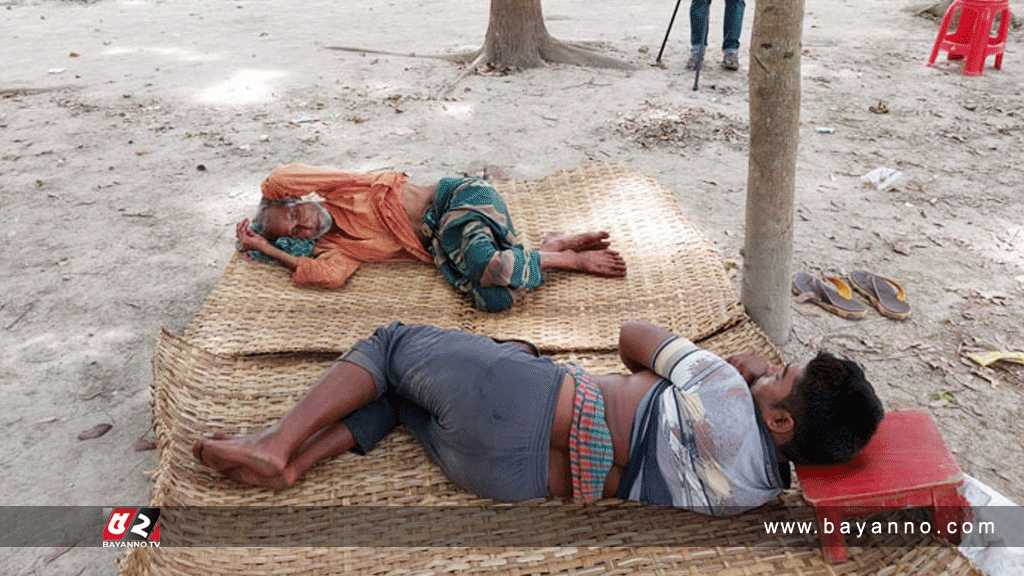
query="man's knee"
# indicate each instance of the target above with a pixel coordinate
(495, 298)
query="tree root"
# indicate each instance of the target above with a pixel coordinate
(580, 54)
(466, 71)
(551, 51)
(12, 92)
(457, 57)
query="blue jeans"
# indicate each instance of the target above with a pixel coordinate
(731, 27)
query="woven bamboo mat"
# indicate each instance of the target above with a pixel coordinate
(196, 392)
(258, 343)
(675, 279)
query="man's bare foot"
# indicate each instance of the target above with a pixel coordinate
(248, 476)
(558, 241)
(602, 263)
(197, 447)
(224, 454)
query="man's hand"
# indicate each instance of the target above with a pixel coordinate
(750, 366)
(249, 240)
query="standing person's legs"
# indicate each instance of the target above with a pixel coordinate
(731, 28)
(699, 10)
(733, 24)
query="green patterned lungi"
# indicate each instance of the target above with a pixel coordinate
(476, 247)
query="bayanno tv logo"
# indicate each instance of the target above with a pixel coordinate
(132, 528)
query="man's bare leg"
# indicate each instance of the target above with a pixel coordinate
(343, 389)
(601, 263)
(327, 444)
(559, 241)
(597, 262)
(585, 252)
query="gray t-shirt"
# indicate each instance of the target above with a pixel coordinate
(698, 440)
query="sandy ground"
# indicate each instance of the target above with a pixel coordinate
(134, 134)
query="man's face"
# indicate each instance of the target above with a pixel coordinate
(776, 384)
(306, 220)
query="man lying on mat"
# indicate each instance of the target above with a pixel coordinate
(686, 428)
(460, 224)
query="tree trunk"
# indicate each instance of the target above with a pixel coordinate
(775, 46)
(516, 34)
(517, 38)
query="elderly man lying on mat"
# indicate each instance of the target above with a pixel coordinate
(686, 428)
(460, 224)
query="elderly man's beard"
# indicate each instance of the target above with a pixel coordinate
(326, 222)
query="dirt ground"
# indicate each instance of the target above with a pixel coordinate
(135, 133)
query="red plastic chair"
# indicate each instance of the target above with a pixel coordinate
(972, 39)
(905, 464)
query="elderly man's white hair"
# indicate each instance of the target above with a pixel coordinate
(259, 221)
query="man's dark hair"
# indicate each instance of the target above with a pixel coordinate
(835, 412)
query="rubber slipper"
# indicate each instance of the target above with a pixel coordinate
(885, 294)
(832, 294)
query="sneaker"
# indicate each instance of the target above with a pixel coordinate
(731, 60)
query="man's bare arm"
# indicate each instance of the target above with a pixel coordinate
(637, 343)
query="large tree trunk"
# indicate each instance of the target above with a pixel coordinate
(517, 38)
(775, 46)
(516, 34)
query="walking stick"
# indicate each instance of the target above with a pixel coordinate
(700, 54)
(697, 66)
(665, 41)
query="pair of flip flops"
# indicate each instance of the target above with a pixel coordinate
(834, 294)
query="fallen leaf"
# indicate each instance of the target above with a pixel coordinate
(990, 357)
(95, 432)
(56, 553)
(142, 445)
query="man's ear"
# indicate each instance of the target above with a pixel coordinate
(779, 421)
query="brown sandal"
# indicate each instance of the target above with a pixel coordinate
(834, 295)
(885, 294)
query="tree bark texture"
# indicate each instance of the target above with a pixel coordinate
(774, 82)
(516, 33)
